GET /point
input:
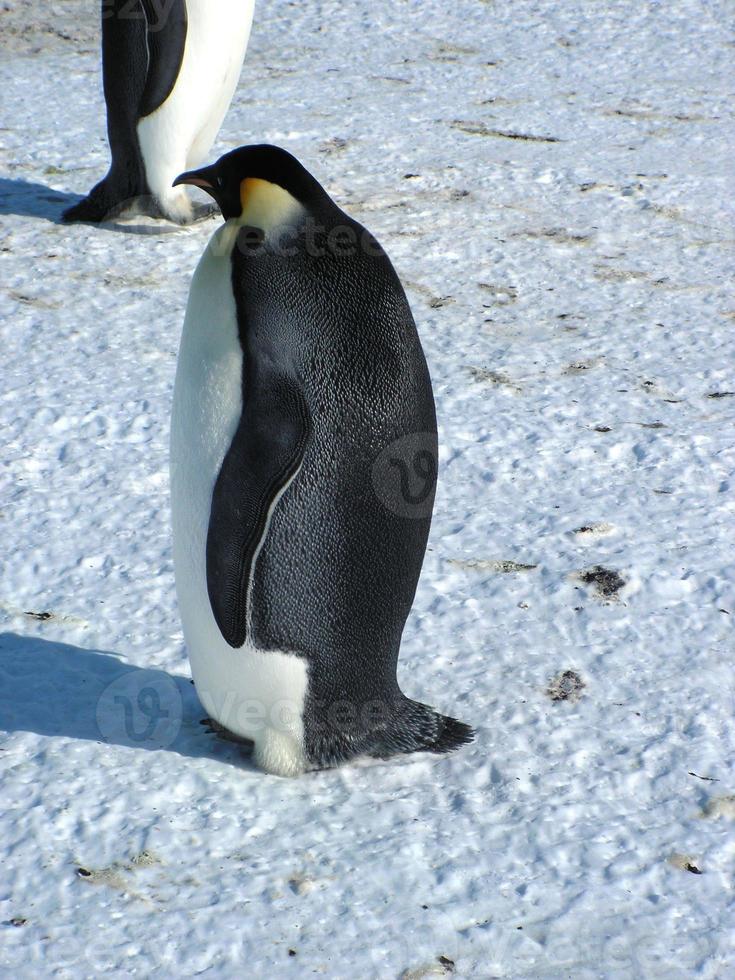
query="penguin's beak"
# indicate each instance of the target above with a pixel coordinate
(203, 178)
(225, 192)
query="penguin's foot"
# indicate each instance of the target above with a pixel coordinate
(176, 206)
(184, 212)
(101, 205)
(224, 733)
(202, 212)
(149, 206)
(279, 753)
(275, 752)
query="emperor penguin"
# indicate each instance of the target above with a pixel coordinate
(303, 469)
(170, 69)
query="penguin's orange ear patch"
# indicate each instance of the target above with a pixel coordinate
(245, 191)
(250, 189)
(264, 204)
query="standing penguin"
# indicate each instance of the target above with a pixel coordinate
(170, 68)
(303, 469)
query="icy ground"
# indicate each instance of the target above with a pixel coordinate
(551, 179)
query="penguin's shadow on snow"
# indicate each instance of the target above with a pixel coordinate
(21, 197)
(38, 201)
(58, 690)
(30, 200)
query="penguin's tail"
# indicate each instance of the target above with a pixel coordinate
(417, 727)
(394, 728)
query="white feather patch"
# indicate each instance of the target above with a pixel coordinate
(180, 133)
(254, 693)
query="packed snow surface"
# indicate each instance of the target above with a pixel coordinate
(552, 181)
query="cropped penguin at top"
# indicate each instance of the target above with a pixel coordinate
(170, 69)
(303, 470)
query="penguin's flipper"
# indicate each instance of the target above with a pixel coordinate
(265, 454)
(167, 26)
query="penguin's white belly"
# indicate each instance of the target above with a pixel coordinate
(254, 693)
(179, 134)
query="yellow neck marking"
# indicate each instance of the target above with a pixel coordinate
(266, 205)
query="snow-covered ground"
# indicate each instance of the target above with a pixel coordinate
(551, 179)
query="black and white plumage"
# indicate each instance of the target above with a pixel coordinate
(303, 469)
(170, 68)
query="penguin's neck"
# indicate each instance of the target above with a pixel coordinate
(266, 206)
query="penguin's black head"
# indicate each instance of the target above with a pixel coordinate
(242, 175)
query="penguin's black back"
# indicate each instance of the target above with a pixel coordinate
(336, 575)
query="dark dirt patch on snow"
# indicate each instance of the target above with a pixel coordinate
(606, 581)
(566, 686)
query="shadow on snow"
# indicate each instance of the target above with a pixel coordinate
(63, 691)
(34, 200)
